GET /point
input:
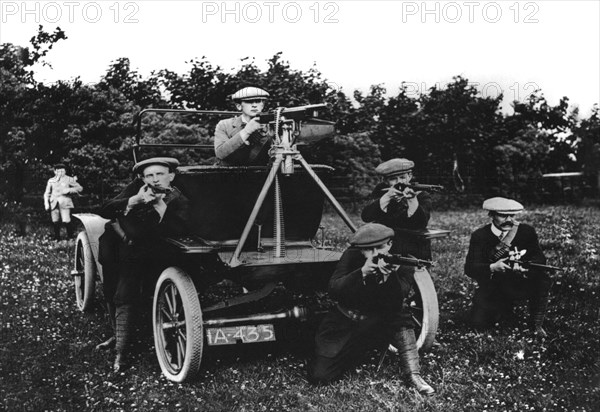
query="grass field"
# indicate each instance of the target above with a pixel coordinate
(47, 360)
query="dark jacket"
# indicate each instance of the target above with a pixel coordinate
(482, 246)
(346, 286)
(365, 313)
(142, 225)
(396, 217)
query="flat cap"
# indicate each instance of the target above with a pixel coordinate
(169, 162)
(394, 167)
(502, 205)
(371, 235)
(249, 93)
(59, 166)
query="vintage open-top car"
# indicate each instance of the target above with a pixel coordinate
(253, 227)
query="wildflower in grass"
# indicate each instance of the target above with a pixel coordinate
(520, 355)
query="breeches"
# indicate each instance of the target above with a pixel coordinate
(60, 213)
(341, 342)
(496, 297)
(127, 268)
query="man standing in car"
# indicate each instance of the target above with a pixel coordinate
(242, 140)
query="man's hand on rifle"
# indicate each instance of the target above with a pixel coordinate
(391, 194)
(380, 271)
(500, 266)
(145, 195)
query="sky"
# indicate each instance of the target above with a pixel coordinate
(510, 46)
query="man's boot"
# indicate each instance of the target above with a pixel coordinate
(406, 343)
(124, 325)
(56, 226)
(110, 342)
(537, 310)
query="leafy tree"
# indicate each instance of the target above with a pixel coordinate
(120, 76)
(588, 154)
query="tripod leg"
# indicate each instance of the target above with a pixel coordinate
(338, 208)
(234, 261)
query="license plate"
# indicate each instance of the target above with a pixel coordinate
(246, 334)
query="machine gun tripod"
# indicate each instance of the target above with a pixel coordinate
(284, 126)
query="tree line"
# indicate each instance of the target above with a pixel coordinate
(456, 136)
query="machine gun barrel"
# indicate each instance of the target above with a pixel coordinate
(293, 113)
(403, 260)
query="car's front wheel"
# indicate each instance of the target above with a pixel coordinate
(177, 323)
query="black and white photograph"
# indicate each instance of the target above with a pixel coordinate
(300, 205)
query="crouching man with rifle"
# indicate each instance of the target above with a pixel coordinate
(399, 203)
(508, 264)
(370, 309)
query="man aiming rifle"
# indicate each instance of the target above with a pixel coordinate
(371, 310)
(400, 204)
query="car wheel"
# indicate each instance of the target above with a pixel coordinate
(424, 309)
(84, 273)
(177, 323)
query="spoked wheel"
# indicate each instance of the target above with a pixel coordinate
(177, 320)
(424, 309)
(84, 272)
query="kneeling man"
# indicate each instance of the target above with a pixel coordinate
(501, 283)
(370, 311)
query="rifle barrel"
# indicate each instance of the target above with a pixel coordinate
(403, 260)
(539, 265)
(416, 186)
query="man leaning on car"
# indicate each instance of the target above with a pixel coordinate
(148, 209)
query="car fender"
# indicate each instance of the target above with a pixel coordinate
(94, 227)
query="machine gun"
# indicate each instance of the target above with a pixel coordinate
(416, 187)
(292, 113)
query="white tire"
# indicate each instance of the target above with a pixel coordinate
(177, 325)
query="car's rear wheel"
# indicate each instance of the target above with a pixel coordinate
(424, 309)
(177, 323)
(84, 272)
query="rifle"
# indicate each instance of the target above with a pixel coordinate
(402, 260)
(530, 265)
(158, 190)
(514, 258)
(377, 278)
(416, 187)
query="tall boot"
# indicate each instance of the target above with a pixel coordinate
(110, 342)
(537, 311)
(56, 226)
(406, 343)
(123, 333)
